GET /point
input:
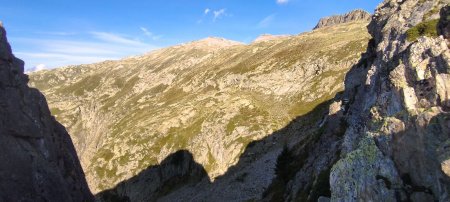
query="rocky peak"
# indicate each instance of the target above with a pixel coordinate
(211, 43)
(39, 162)
(355, 15)
(268, 37)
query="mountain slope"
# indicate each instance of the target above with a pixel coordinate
(211, 97)
(38, 159)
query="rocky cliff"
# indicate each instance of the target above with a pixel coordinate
(356, 15)
(396, 146)
(386, 136)
(39, 162)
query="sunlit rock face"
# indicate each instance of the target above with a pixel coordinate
(356, 15)
(397, 145)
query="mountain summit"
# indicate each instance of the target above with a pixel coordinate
(211, 43)
(355, 15)
(269, 37)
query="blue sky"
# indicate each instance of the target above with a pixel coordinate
(53, 33)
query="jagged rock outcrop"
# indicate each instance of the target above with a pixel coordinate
(356, 15)
(38, 159)
(396, 146)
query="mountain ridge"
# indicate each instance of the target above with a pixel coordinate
(161, 95)
(355, 15)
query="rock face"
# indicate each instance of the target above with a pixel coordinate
(211, 97)
(39, 162)
(356, 15)
(396, 146)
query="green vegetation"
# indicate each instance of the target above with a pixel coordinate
(55, 111)
(183, 135)
(246, 117)
(173, 95)
(433, 11)
(105, 154)
(427, 28)
(348, 51)
(127, 87)
(87, 84)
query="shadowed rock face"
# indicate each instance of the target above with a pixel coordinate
(38, 160)
(356, 15)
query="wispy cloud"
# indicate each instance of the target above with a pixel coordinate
(146, 32)
(219, 13)
(216, 14)
(53, 60)
(150, 34)
(266, 21)
(89, 48)
(56, 33)
(38, 67)
(282, 1)
(114, 38)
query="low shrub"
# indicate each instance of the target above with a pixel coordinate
(427, 28)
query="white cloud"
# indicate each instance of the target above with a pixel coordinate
(114, 38)
(146, 32)
(282, 1)
(219, 13)
(36, 68)
(90, 48)
(266, 21)
(216, 14)
(57, 33)
(150, 34)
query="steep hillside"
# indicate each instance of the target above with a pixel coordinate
(38, 159)
(210, 97)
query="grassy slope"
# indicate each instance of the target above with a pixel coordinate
(172, 99)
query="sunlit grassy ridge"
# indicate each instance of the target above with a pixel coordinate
(213, 101)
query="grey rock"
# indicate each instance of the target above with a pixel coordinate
(323, 199)
(356, 15)
(39, 162)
